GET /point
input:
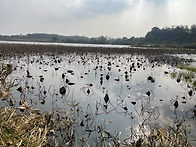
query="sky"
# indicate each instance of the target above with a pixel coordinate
(93, 18)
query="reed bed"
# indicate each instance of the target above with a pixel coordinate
(11, 49)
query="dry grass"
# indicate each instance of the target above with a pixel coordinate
(20, 126)
(31, 128)
(167, 136)
(19, 129)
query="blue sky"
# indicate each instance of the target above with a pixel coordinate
(92, 18)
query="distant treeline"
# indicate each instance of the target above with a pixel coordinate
(176, 36)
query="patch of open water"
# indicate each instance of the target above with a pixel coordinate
(115, 91)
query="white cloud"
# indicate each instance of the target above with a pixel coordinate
(105, 6)
(93, 8)
(114, 18)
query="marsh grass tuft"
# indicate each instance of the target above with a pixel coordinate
(188, 76)
(194, 84)
(189, 68)
(185, 76)
(174, 75)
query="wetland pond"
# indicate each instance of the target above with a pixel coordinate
(115, 92)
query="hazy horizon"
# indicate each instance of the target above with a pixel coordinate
(93, 18)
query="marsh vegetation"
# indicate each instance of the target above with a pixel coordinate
(81, 96)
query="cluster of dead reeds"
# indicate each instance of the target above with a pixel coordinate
(20, 129)
(31, 128)
(169, 135)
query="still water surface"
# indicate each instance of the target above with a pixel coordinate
(115, 91)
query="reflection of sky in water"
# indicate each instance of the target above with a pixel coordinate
(123, 88)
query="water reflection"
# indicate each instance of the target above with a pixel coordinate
(116, 92)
